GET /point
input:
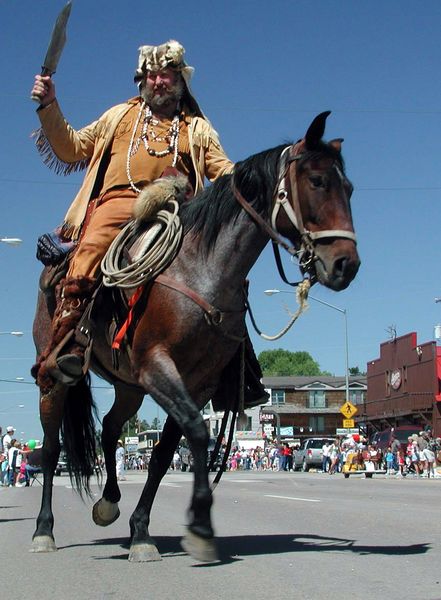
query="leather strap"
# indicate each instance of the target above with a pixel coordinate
(213, 315)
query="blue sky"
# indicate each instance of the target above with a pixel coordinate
(263, 71)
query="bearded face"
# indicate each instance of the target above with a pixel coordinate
(162, 90)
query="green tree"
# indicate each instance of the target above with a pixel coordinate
(134, 426)
(279, 363)
(355, 371)
(156, 423)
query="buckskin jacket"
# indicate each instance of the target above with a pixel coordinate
(65, 150)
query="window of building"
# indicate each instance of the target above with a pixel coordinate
(317, 423)
(356, 396)
(317, 399)
(277, 397)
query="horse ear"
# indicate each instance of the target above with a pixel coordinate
(316, 130)
(336, 144)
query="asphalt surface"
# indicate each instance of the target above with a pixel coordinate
(280, 535)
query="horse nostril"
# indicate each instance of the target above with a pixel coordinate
(340, 266)
(344, 267)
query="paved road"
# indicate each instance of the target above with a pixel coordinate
(280, 536)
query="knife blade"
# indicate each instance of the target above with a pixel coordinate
(56, 44)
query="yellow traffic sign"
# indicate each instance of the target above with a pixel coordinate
(348, 423)
(348, 410)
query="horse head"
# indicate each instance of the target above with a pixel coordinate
(315, 193)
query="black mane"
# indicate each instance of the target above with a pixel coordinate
(216, 205)
(255, 178)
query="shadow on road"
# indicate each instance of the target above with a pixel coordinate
(233, 548)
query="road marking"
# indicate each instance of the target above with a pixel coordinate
(243, 480)
(291, 498)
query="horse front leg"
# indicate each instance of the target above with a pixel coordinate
(127, 402)
(142, 546)
(163, 381)
(51, 414)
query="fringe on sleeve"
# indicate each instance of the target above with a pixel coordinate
(51, 160)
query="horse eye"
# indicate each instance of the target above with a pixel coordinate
(316, 180)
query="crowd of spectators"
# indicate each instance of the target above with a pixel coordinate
(17, 461)
(419, 457)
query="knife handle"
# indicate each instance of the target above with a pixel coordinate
(44, 73)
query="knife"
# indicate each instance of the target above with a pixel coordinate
(56, 44)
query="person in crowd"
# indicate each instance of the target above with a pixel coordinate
(401, 463)
(176, 461)
(413, 455)
(422, 443)
(15, 457)
(7, 438)
(334, 457)
(428, 453)
(325, 456)
(289, 458)
(395, 445)
(33, 464)
(390, 460)
(120, 457)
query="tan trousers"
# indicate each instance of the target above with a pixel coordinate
(112, 209)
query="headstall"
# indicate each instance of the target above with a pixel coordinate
(306, 252)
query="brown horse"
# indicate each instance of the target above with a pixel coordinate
(191, 324)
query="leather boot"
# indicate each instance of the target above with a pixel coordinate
(63, 358)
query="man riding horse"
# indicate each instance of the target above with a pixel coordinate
(131, 145)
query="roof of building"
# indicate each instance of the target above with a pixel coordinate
(304, 381)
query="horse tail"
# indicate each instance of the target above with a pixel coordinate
(79, 436)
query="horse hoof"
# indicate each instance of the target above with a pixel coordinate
(202, 549)
(104, 512)
(145, 552)
(43, 543)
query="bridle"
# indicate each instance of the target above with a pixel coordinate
(286, 197)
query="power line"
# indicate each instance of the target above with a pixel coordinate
(357, 188)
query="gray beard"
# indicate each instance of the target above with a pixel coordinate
(156, 102)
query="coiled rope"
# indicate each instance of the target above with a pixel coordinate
(154, 260)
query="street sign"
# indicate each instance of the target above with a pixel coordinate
(343, 431)
(264, 417)
(348, 410)
(132, 440)
(348, 423)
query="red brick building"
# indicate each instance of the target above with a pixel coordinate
(403, 386)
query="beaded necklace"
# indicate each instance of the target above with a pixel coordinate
(172, 137)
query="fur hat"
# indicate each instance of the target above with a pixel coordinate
(169, 54)
(156, 58)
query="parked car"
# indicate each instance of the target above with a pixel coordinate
(310, 453)
(383, 439)
(187, 457)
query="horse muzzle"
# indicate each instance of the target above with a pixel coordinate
(336, 268)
